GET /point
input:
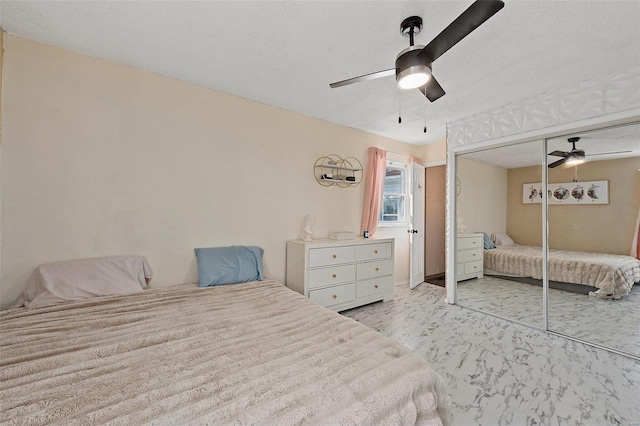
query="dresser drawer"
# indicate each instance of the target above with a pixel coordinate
(469, 242)
(334, 295)
(319, 277)
(473, 267)
(470, 255)
(381, 268)
(374, 286)
(373, 251)
(331, 256)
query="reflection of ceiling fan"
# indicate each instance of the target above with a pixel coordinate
(413, 65)
(575, 156)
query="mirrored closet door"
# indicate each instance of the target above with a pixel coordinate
(499, 217)
(594, 200)
(592, 192)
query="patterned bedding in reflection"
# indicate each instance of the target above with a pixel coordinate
(612, 274)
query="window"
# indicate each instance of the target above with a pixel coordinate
(394, 197)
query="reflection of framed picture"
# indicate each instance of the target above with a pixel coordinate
(560, 193)
(593, 192)
(577, 193)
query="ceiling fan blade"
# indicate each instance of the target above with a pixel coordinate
(607, 153)
(557, 163)
(558, 153)
(365, 77)
(469, 20)
(432, 90)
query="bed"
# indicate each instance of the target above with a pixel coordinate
(612, 275)
(251, 353)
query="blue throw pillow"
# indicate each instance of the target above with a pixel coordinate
(488, 244)
(229, 265)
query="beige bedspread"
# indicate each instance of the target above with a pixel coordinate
(612, 274)
(255, 353)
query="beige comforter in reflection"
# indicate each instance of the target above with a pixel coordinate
(254, 353)
(612, 274)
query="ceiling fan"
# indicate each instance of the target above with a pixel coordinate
(414, 64)
(575, 156)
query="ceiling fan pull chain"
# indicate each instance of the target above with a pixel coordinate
(425, 117)
(400, 107)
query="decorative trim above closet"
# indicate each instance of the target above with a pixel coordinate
(610, 94)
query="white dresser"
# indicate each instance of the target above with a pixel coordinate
(469, 263)
(341, 274)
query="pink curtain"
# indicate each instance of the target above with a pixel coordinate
(635, 244)
(373, 188)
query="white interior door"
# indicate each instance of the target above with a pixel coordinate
(416, 252)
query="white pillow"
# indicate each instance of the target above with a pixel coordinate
(503, 240)
(60, 282)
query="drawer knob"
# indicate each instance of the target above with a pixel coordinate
(474, 255)
(475, 267)
(377, 269)
(375, 286)
(375, 251)
(334, 256)
(335, 296)
(334, 275)
(474, 242)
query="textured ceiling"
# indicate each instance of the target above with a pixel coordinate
(286, 53)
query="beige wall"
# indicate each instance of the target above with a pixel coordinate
(598, 228)
(102, 159)
(434, 152)
(524, 221)
(482, 202)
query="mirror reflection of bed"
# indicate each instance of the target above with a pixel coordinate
(591, 274)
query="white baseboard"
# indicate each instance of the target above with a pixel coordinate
(405, 282)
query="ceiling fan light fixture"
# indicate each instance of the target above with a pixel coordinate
(414, 78)
(575, 159)
(411, 71)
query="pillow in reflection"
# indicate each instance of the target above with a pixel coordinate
(488, 244)
(503, 240)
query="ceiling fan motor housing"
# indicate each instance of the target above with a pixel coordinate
(575, 154)
(409, 63)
